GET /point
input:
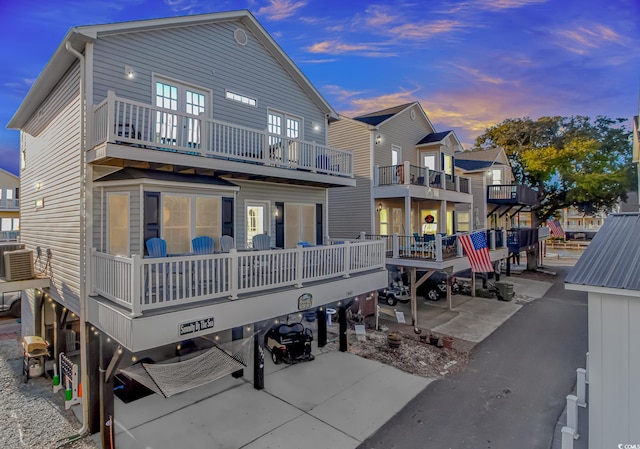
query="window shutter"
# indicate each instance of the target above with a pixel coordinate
(227, 216)
(319, 230)
(280, 225)
(441, 162)
(151, 216)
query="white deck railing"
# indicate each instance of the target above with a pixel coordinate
(9, 204)
(120, 120)
(144, 284)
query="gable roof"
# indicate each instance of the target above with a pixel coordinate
(492, 155)
(472, 165)
(612, 259)
(434, 137)
(375, 118)
(78, 37)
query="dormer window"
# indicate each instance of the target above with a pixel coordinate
(496, 176)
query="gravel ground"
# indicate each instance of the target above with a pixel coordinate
(413, 356)
(31, 415)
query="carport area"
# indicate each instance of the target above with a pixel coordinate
(336, 400)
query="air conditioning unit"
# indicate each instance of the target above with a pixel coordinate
(18, 265)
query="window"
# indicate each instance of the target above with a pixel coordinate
(384, 221)
(450, 222)
(496, 176)
(241, 98)
(189, 103)
(185, 217)
(398, 224)
(464, 221)
(299, 223)
(118, 224)
(5, 224)
(9, 194)
(257, 222)
(429, 160)
(429, 221)
(448, 164)
(395, 153)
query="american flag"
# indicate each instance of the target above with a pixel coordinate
(475, 247)
(556, 229)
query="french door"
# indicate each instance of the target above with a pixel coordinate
(182, 128)
(299, 224)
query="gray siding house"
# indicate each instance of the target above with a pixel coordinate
(172, 129)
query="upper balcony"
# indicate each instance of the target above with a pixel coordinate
(7, 204)
(420, 181)
(438, 251)
(158, 135)
(142, 301)
(511, 195)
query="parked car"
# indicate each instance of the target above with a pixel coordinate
(396, 292)
(435, 287)
(11, 302)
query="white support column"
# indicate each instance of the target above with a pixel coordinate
(406, 173)
(581, 387)
(572, 414)
(438, 248)
(407, 214)
(587, 365)
(492, 239)
(376, 175)
(459, 251)
(504, 238)
(233, 274)
(396, 246)
(567, 438)
(347, 260)
(442, 221)
(136, 292)
(457, 180)
(363, 235)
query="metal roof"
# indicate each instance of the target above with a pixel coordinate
(612, 259)
(472, 165)
(136, 173)
(375, 118)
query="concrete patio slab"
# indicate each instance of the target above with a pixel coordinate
(368, 404)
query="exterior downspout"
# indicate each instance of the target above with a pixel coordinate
(84, 376)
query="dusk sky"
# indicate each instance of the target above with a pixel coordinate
(471, 64)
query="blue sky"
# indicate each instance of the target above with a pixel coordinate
(470, 63)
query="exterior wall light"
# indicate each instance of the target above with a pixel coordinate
(379, 207)
(128, 71)
(378, 139)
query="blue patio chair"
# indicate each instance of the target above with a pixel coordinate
(418, 239)
(303, 244)
(261, 242)
(203, 245)
(226, 243)
(156, 247)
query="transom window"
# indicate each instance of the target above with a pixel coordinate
(241, 98)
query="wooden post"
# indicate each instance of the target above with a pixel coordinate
(107, 422)
(449, 290)
(473, 284)
(414, 300)
(93, 389)
(342, 324)
(321, 315)
(258, 362)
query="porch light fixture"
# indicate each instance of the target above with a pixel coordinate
(379, 207)
(128, 71)
(316, 126)
(378, 139)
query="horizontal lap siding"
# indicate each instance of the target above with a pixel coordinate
(52, 143)
(404, 132)
(206, 56)
(273, 193)
(479, 192)
(350, 207)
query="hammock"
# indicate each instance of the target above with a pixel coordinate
(168, 379)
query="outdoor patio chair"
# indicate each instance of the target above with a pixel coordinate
(156, 247)
(203, 245)
(226, 243)
(261, 242)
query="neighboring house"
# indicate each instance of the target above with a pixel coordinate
(9, 206)
(195, 126)
(500, 203)
(407, 191)
(608, 272)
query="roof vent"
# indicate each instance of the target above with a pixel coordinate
(18, 265)
(241, 37)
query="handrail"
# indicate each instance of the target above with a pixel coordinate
(144, 284)
(422, 176)
(120, 120)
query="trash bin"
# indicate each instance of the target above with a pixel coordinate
(505, 290)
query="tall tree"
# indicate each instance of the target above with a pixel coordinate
(569, 161)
